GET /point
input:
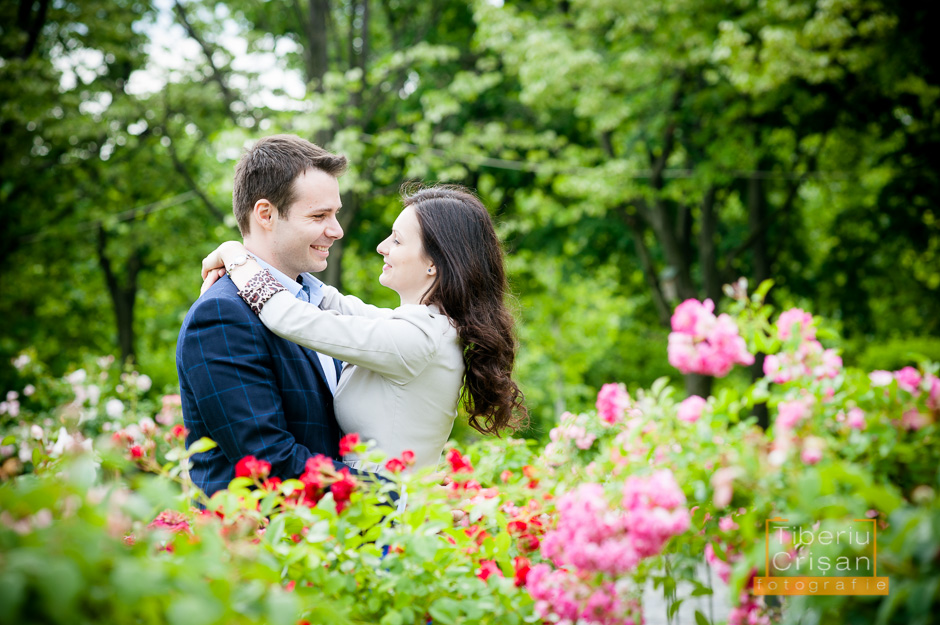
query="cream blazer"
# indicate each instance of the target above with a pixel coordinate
(403, 367)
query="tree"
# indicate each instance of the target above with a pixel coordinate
(703, 127)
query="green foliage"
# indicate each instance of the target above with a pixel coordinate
(98, 516)
(633, 154)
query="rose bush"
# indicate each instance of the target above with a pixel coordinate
(98, 522)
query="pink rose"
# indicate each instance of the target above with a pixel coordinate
(690, 410)
(812, 451)
(856, 419)
(612, 402)
(795, 322)
(909, 379)
(790, 413)
(880, 378)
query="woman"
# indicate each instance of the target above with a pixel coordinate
(407, 368)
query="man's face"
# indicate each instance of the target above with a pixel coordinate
(301, 242)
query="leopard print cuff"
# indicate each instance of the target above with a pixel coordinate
(262, 287)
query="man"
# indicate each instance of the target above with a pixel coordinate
(247, 389)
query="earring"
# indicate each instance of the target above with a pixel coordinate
(429, 271)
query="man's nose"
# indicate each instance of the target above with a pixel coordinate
(334, 230)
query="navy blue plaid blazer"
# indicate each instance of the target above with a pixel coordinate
(250, 391)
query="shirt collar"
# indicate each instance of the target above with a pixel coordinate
(314, 285)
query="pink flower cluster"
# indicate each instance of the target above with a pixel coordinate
(613, 401)
(566, 598)
(809, 360)
(705, 344)
(570, 429)
(751, 608)
(691, 408)
(909, 379)
(593, 537)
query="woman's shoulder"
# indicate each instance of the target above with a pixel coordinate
(427, 314)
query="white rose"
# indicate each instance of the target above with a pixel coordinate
(76, 377)
(114, 408)
(144, 383)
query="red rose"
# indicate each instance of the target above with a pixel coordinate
(394, 466)
(521, 565)
(408, 457)
(487, 568)
(249, 466)
(348, 443)
(342, 489)
(459, 463)
(137, 452)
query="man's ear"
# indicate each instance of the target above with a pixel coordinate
(264, 214)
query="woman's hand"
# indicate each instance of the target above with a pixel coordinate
(211, 277)
(220, 257)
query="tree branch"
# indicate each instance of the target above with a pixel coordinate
(663, 310)
(181, 169)
(33, 27)
(208, 50)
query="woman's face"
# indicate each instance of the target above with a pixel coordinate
(408, 271)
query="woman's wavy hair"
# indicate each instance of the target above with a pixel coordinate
(469, 287)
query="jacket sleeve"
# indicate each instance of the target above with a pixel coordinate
(350, 304)
(397, 346)
(228, 365)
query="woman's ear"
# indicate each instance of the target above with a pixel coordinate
(432, 270)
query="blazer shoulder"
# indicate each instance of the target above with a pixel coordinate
(221, 301)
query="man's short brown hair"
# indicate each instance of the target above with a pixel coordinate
(268, 169)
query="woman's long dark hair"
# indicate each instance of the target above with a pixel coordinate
(469, 287)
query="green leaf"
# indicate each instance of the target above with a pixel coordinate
(763, 288)
(674, 607)
(191, 610)
(12, 593)
(700, 618)
(202, 445)
(392, 617)
(8, 440)
(445, 610)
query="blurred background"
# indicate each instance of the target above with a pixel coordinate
(634, 154)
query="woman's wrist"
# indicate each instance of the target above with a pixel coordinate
(230, 251)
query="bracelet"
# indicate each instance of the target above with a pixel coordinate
(257, 291)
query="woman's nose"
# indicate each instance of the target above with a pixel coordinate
(382, 248)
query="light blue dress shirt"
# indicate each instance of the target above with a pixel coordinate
(310, 291)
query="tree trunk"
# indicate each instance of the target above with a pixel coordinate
(333, 274)
(707, 247)
(696, 384)
(123, 296)
(316, 48)
(756, 219)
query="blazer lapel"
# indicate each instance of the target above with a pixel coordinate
(315, 361)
